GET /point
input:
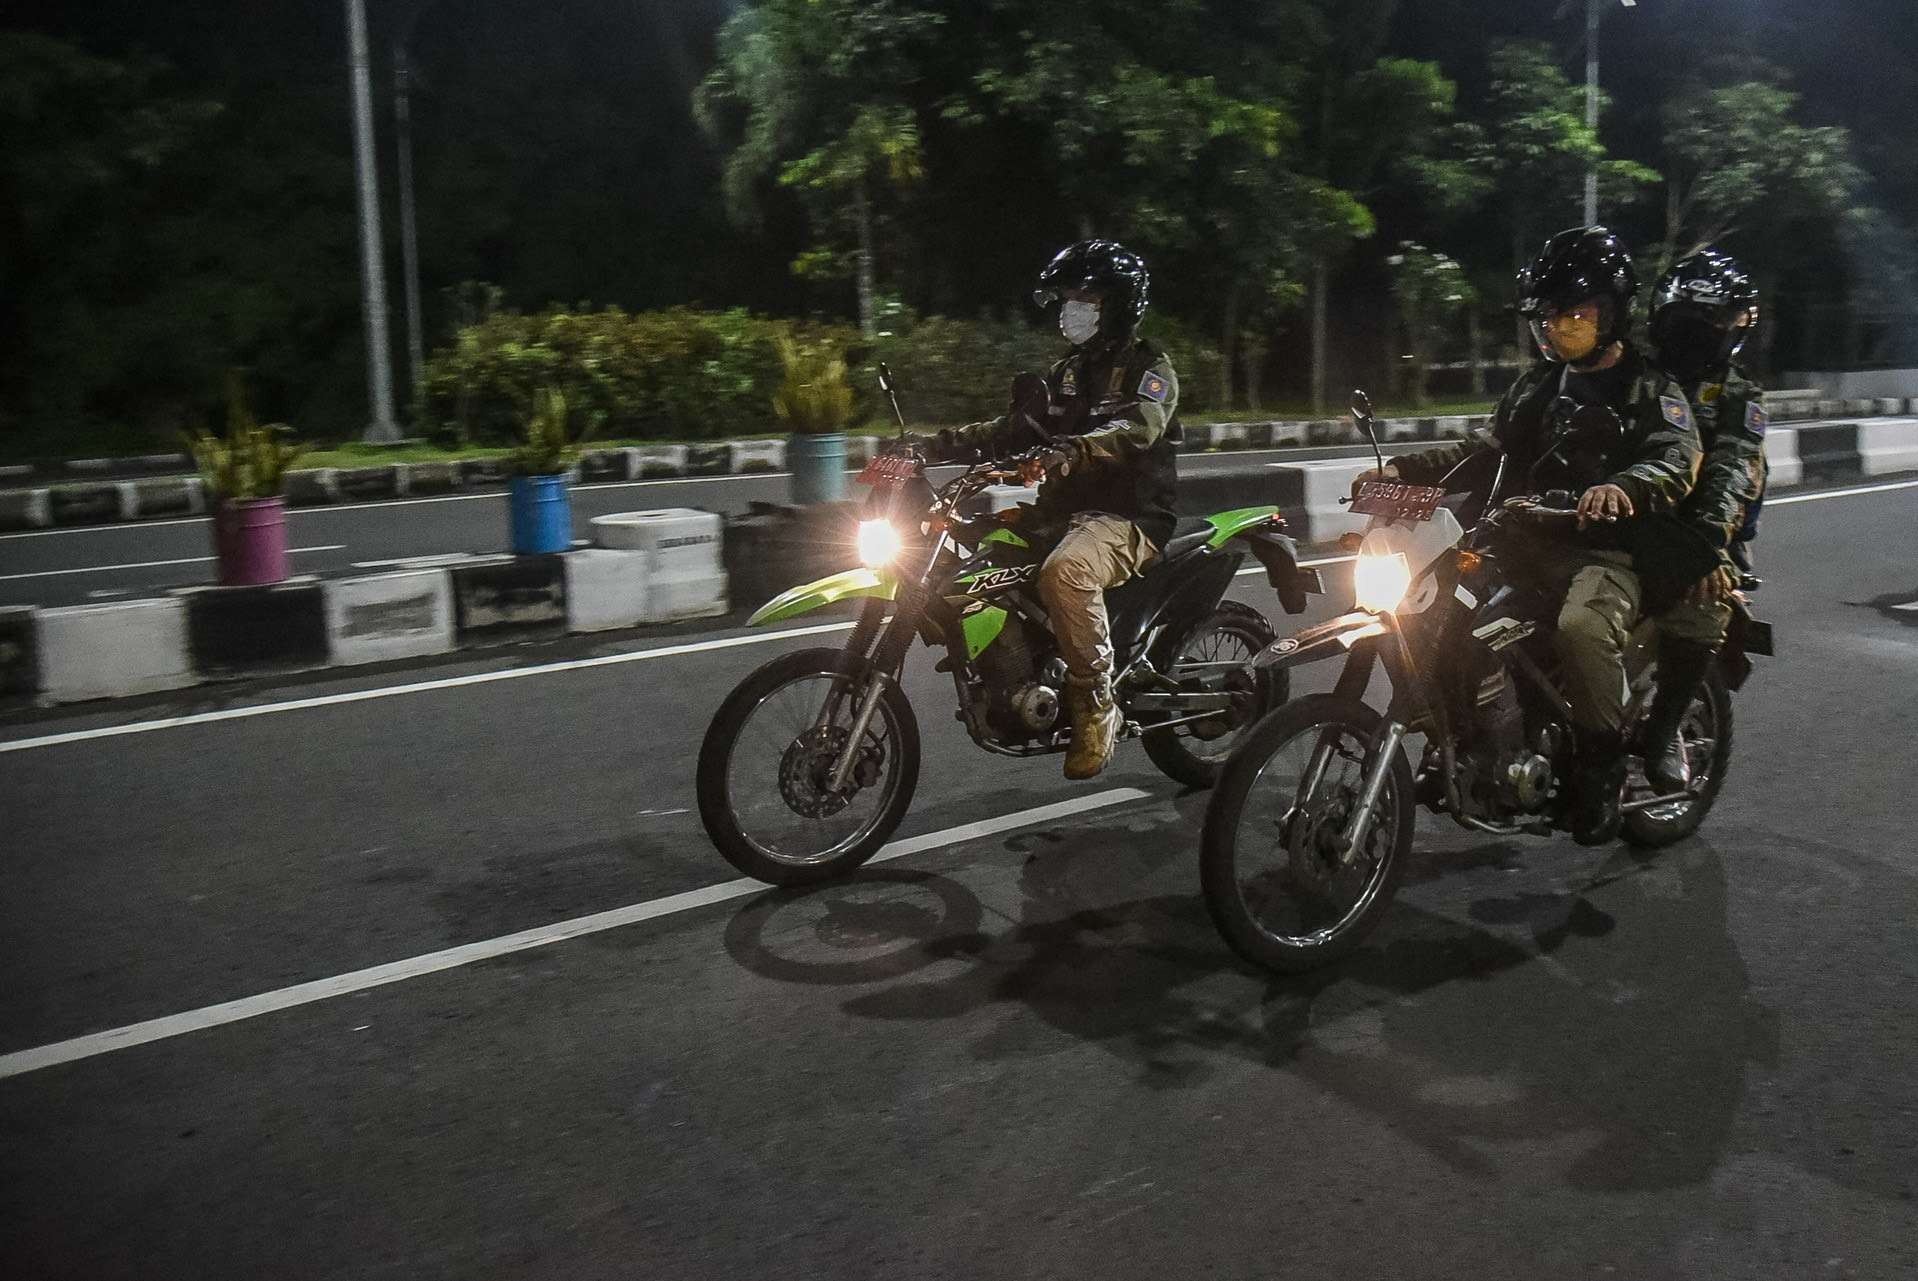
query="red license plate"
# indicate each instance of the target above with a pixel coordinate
(1396, 500)
(888, 471)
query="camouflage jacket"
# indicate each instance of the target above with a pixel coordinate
(1655, 461)
(1115, 411)
(1731, 422)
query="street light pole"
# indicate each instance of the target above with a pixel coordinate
(382, 428)
(409, 234)
(1591, 107)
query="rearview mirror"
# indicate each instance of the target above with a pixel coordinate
(1362, 415)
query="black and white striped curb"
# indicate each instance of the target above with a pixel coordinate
(87, 502)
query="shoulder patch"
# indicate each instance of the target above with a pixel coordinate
(1153, 387)
(1676, 411)
(1757, 418)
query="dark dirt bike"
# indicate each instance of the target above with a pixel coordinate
(1308, 830)
(811, 762)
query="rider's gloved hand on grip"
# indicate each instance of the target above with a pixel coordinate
(1033, 468)
(1603, 503)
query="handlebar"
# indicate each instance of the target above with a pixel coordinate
(1557, 504)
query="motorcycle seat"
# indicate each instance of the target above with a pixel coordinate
(1191, 533)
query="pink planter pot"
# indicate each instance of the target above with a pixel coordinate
(249, 541)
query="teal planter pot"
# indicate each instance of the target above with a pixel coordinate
(818, 466)
(542, 515)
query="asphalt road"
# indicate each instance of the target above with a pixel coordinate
(104, 562)
(1018, 1051)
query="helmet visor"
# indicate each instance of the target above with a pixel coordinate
(1569, 333)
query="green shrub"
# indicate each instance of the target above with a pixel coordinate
(814, 397)
(683, 374)
(251, 459)
(547, 445)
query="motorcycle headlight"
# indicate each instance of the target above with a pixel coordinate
(879, 543)
(1380, 580)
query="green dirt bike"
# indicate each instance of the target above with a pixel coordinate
(811, 762)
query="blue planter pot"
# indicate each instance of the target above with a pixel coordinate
(542, 514)
(818, 465)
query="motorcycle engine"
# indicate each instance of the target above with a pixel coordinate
(1021, 702)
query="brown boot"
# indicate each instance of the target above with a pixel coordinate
(1095, 729)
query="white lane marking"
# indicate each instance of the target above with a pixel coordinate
(209, 1016)
(420, 687)
(1782, 499)
(1910, 604)
(153, 564)
(1304, 564)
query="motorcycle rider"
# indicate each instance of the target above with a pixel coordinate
(1703, 310)
(1109, 469)
(1579, 295)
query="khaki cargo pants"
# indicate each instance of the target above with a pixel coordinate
(1601, 603)
(1702, 624)
(1099, 550)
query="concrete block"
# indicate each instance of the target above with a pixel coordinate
(1781, 458)
(1857, 406)
(1320, 484)
(709, 460)
(1399, 429)
(1228, 436)
(1288, 435)
(432, 478)
(686, 576)
(25, 509)
(497, 596)
(382, 617)
(247, 629)
(757, 455)
(19, 653)
(607, 464)
(1451, 427)
(85, 504)
(660, 460)
(161, 462)
(312, 487)
(482, 471)
(605, 589)
(1829, 451)
(1888, 446)
(16, 471)
(1830, 408)
(170, 496)
(1889, 406)
(361, 484)
(113, 649)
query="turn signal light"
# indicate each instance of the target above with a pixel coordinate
(1351, 541)
(1468, 562)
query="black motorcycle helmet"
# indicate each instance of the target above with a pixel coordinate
(1576, 265)
(1106, 267)
(1703, 310)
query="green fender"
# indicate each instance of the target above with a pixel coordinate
(807, 597)
(1229, 525)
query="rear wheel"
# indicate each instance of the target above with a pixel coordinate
(1707, 733)
(1270, 859)
(765, 769)
(1214, 655)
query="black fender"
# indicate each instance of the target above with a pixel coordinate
(1744, 636)
(1280, 556)
(1333, 638)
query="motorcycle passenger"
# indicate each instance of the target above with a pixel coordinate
(1109, 470)
(1703, 310)
(1579, 295)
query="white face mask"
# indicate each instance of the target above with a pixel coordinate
(1079, 321)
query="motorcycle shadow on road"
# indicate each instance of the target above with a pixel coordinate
(1599, 1014)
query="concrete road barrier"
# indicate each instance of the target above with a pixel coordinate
(26, 509)
(1781, 458)
(113, 650)
(169, 496)
(757, 456)
(508, 597)
(606, 589)
(1888, 446)
(19, 652)
(383, 617)
(686, 575)
(247, 629)
(658, 460)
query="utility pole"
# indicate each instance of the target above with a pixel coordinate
(409, 233)
(1591, 107)
(382, 428)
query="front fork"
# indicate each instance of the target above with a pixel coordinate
(1351, 685)
(887, 657)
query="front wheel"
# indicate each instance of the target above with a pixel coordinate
(1271, 856)
(1214, 655)
(766, 768)
(1707, 734)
